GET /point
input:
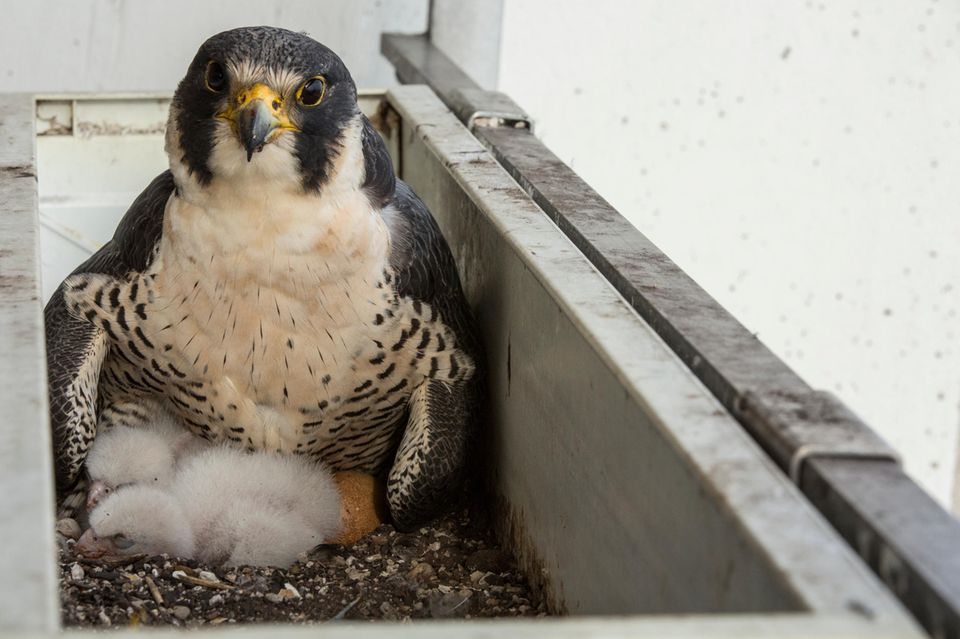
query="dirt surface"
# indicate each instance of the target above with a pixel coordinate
(451, 569)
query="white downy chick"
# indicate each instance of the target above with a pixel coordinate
(137, 519)
(238, 508)
(258, 508)
(148, 454)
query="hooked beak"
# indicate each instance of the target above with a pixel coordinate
(92, 546)
(96, 492)
(257, 116)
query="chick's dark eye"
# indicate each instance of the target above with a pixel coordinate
(215, 77)
(311, 93)
(121, 541)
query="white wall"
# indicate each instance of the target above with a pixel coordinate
(800, 159)
(128, 45)
(468, 31)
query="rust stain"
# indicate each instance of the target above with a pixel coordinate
(19, 170)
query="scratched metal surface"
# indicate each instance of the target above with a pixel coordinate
(795, 424)
(28, 578)
(624, 479)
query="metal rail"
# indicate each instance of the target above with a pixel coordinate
(842, 466)
(29, 589)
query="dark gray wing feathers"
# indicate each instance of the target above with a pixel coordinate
(71, 343)
(378, 179)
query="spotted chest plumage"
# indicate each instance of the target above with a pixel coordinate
(329, 377)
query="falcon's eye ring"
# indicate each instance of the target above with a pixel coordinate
(312, 91)
(215, 77)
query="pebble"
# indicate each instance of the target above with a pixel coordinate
(357, 575)
(69, 528)
(76, 572)
(421, 572)
(401, 576)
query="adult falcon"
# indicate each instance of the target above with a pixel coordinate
(277, 287)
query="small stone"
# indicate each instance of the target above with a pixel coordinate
(76, 572)
(69, 528)
(180, 612)
(372, 558)
(357, 575)
(215, 600)
(476, 576)
(421, 572)
(289, 592)
(273, 597)
(209, 576)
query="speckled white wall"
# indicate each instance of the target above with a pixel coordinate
(800, 159)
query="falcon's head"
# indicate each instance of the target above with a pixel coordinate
(263, 103)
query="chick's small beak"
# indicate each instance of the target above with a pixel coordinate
(256, 113)
(96, 492)
(91, 546)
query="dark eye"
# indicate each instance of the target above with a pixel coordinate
(215, 76)
(121, 541)
(312, 91)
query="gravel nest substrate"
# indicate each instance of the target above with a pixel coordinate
(451, 569)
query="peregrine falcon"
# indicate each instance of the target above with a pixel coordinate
(277, 287)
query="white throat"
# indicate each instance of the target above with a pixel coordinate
(253, 224)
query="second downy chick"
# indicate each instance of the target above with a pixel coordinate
(147, 454)
(223, 506)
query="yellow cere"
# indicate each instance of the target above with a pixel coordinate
(263, 93)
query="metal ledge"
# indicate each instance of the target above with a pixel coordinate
(419, 62)
(803, 430)
(29, 587)
(722, 530)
